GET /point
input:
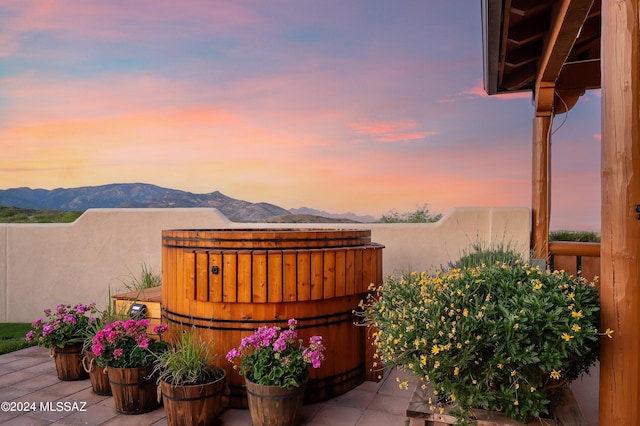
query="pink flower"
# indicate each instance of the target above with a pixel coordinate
(159, 329)
(117, 353)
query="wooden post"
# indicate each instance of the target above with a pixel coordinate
(620, 256)
(540, 186)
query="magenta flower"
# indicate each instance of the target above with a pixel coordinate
(117, 353)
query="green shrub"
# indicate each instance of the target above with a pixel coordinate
(579, 236)
(500, 337)
(420, 215)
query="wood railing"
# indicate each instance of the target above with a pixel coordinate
(577, 259)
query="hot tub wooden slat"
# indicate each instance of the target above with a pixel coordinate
(340, 273)
(230, 277)
(329, 274)
(317, 271)
(259, 276)
(215, 279)
(189, 274)
(202, 276)
(275, 279)
(304, 275)
(244, 277)
(289, 276)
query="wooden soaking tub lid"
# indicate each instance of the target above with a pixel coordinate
(266, 238)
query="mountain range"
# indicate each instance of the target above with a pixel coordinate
(142, 195)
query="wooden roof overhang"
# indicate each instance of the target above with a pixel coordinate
(548, 47)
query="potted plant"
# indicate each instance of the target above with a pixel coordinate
(190, 382)
(275, 365)
(61, 330)
(125, 349)
(502, 337)
(97, 373)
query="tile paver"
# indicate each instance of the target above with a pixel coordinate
(29, 376)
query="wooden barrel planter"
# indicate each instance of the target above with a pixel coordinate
(228, 283)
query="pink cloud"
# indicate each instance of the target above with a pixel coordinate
(379, 131)
(597, 136)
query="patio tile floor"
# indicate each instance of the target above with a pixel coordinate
(29, 375)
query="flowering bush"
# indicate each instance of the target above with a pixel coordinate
(62, 326)
(276, 357)
(124, 344)
(499, 337)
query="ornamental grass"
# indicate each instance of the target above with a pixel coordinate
(501, 337)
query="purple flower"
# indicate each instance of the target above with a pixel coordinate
(292, 322)
(117, 353)
(159, 329)
(69, 318)
(48, 329)
(233, 354)
(30, 336)
(144, 343)
(280, 344)
(36, 323)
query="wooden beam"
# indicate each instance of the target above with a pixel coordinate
(540, 187)
(566, 20)
(620, 248)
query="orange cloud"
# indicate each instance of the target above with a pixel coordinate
(379, 131)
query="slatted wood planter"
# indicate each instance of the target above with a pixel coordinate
(230, 282)
(150, 297)
(565, 411)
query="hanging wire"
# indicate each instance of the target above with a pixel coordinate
(566, 114)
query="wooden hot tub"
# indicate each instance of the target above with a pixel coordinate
(227, 283)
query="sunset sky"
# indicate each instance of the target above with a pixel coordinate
(359, 105)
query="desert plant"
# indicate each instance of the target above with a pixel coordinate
(420, 215)
(188, 361)
(147, 278)
(500, 337)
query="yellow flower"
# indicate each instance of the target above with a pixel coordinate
(575, 327)
(609, 333)
(435, 349)
(456, 371)
(516, 326)
(532, 389)
(513, 373)
(465, 313)
(576, 314)
(500, 366)
(516, 402)
(571, 296)
(436, 364)
(566, 337)
(555, 374)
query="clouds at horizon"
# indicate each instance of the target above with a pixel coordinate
(359, 106)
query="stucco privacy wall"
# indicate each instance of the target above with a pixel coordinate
(42, 265)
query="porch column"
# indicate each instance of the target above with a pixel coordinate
(620, 248)
(540, 186)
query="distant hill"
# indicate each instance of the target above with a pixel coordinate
(349, 216)
(306, 218)
(142, 195)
